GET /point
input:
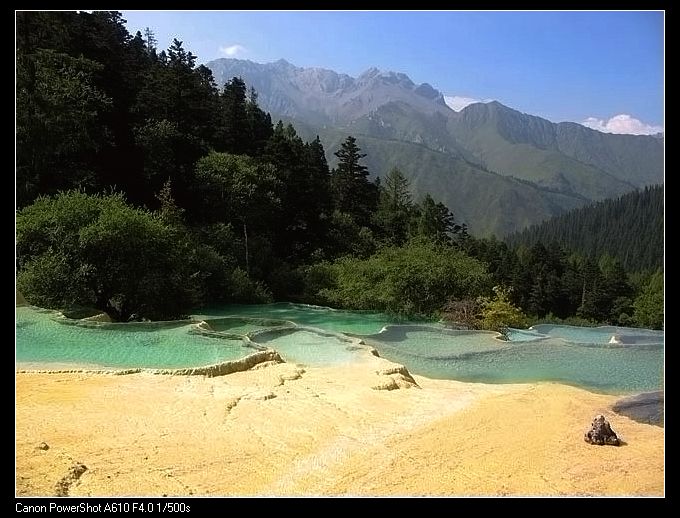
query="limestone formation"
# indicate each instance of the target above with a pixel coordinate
(99, 317)
(601, 433)
(394, 376)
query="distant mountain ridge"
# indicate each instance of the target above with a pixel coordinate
(498, 169)
(323, 96)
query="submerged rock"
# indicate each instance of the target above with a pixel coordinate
(601, 433)
(643, 408)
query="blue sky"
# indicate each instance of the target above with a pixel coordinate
(606, 68)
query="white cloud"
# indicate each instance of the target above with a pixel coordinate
(232, 50)
(621, 123)
(457, 102)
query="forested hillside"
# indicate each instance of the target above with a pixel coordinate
(144, 189)
(629, 228)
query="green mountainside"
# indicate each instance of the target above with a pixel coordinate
(490, 203)
(499, 170)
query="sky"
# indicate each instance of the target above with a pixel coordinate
(602, 69)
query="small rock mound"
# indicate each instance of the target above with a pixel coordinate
(394, 377)
(43, 446)
(601, 433)
(99, 317)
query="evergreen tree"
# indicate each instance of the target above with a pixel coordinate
(593, 302)
(629, 228)
(649, 305)
(353, 193)
(150, 41)
(395, 207)
(234, 135)
(259, 124)
(58, 123)
(435, 221)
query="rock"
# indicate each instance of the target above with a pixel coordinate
(398, 371)
(99, 317)
(601, 433)
(43, 446)
(392, 376)
(264, 365)
(74, 473)
(259, 395)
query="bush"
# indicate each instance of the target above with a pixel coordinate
(50, 281)
(498, 313)
(649, 308)
(461, 313)
(416, 279)
(98, 251)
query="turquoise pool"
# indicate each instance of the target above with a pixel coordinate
(43, 342)
(594, 364)
(329, 319)
(309, 347)
(313, 335)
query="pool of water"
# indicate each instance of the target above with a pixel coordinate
(601, 335)
(606, 359)
(435, 343)
(241, 325)
(308, 347)
(42, 340)
(605, 369)
(360, 322)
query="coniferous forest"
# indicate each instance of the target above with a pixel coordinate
(629, 228)
(144, 189)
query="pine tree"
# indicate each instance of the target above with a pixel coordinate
(395, 207)
(435, 221)
(260, 125)
(353, 193)
(151, 42)
(235, 131)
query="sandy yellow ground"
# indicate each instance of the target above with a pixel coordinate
(282, 430)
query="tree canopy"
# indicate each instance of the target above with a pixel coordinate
(144, 189)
